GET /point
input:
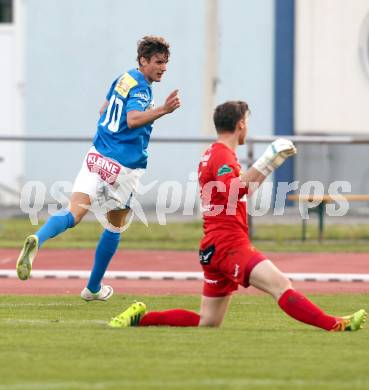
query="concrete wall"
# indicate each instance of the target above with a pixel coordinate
(11, 166)
(246, 64)
(332, 86)
(332, 89)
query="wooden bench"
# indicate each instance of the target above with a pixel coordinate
(320, 208)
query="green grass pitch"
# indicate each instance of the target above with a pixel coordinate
(61, 342)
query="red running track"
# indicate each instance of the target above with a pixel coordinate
(153, 260)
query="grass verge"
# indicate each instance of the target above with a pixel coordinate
(186, 236)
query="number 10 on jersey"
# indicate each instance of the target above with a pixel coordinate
(113, 114)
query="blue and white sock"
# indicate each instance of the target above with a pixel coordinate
(105, 250)
(58, 223)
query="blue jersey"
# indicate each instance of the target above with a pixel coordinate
(114, 138)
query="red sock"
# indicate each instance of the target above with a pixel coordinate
(174, 317)
(300, 308)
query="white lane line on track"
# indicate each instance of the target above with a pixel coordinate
(159, 275)
(187, 384)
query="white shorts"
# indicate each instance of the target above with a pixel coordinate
(107, 182)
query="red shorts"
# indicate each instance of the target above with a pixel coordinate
(227, 264)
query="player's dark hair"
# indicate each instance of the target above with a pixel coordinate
(227, 115)
(150, 45)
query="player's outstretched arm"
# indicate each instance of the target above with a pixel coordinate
(274, 156)
(141, 118)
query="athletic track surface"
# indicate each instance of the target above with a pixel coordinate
(153, 260)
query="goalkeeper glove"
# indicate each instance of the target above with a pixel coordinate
(275, 155)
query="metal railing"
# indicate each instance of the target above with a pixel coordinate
(251, 141)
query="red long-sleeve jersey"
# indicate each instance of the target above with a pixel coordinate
(223, 209)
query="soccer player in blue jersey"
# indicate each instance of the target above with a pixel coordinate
(114, 164)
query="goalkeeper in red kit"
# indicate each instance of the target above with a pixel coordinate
(226, 254)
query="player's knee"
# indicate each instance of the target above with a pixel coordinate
(78, 209)
(77, 218)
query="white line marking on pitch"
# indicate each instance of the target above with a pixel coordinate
(8, 305)
(229, 382)
(51, 322)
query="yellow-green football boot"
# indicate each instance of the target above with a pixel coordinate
(351, 323)
(26, 257)
(130, 317)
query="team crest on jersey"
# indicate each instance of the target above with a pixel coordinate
(125, 84)
(224, 169)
